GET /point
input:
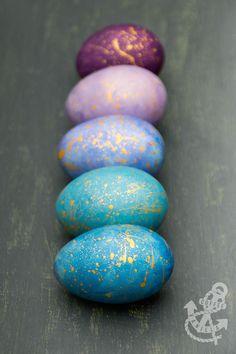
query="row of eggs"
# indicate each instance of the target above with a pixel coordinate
(114, 204)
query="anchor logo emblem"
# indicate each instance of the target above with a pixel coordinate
(200, 325)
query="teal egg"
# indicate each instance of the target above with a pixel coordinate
(111, 195)
(115, 264)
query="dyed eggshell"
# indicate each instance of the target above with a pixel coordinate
(120, 44)
(111, 195)
(121, 89)
(109, 141)
(115, 264)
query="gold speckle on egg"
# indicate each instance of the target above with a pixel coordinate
(117, 106)
(109, 96)
(61, 154)
(143, 284)
(152, 143)
(142, 148)
(124, 151)
(122, 53)
(129, 46)
(108, 295)
(130, 260)
(153, 260)
(122, 160)
(123, 258)
(132, 30)
(131, 242)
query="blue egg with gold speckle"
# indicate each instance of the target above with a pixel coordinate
(115, 264)
(109, 141)
(111, 195)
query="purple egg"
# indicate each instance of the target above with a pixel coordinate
(120, 44)
(121, 89)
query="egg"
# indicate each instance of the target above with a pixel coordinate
(121, 89)
(115, 264)
(111, 140)
(111, 195)
(120, 44)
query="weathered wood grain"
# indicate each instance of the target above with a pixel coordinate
(39, 40)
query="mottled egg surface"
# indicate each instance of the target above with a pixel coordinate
(109, 141)
(121, 89)
(115, 264)
(111, 195)
(120, 44)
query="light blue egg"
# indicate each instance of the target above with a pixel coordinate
(110, 141)
(111, 195)
(115, 264)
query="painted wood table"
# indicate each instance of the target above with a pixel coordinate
(39, 41)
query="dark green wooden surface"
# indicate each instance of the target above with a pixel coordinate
(39, 40)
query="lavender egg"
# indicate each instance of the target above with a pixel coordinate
(121, 89)
(120, 44)
(110, 141)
